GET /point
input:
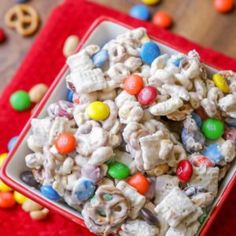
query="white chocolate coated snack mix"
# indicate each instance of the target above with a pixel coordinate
(142, 141)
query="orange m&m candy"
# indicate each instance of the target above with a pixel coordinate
(133, 84)
(65, 143)
(162, 19)
(139, 182)
(6, 200)
(224, 6)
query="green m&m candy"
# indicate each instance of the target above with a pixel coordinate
(20, 100)
(213, 128)
(118, 170)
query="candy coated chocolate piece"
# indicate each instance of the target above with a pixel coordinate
(133, 84)
(230, 134)
(151, 2)
(65, 143)
(118, 170)
(201, 160)
(98, 111)
(28, 178)
(139, 182)
(3, 156)
(100, 58)
(212, 151)
(2, 35)
(6, 200)
(197, 119)
(11, 143)
(184, 171)
(20, 100)
(148, 216)
(48, 192)
(213, 128)
(231, 122)
(4, 187)
(84, 189)
(221, 83)
(19, 198)
(149, 52)
(162, 19)
(140, 12)
(37, 92)
(69, 95)
(224, 6)
(147, 95)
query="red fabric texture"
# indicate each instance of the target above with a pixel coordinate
(42, 64)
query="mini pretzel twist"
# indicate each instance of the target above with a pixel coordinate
(23, 18)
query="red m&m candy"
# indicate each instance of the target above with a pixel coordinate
(184, 171)
(147, 95)
(65, 143)
(139, 182)
(202, 161)
(7, 200)
(133, 84)
(162, 19)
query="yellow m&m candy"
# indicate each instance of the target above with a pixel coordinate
(98, 111)
(221, 83)
(150, 2)
(4, 187)
(3, 156)
(19, 198)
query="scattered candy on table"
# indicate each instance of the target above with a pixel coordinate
(147, 95)
(98, 111)
(140, 12)
(224, 6)
(16, 17)
(221, 83)
(36, 211)
(133, 84)
(11, 143)
(19, 198)
(162, 19)
(151, 2)
(118, 170)
(213, 128)
(139, 182)
(184, 171)
(65, 143)
(149, 52)
(70, 45)
(2, 35)
(7, 200)
(4, 187)
(20, 100)
(37, 92)
(3, 156)
(48, 192)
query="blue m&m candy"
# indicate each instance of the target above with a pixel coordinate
(100, 58)
(149, 52)
(11, 143)
(84, 189)
(69, 95)
(140, 12)
(48, 192)
(212, 152)
(197, 119)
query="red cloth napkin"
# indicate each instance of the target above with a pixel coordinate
(42, 64)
